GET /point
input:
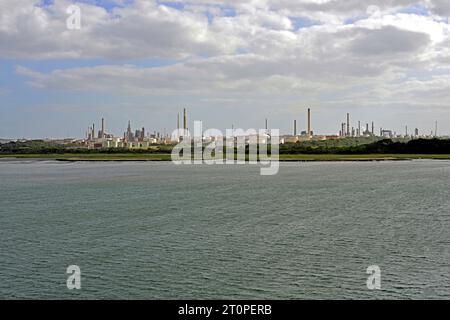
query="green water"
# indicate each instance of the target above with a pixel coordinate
(159, 231)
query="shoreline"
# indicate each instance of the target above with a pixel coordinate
(167, 157)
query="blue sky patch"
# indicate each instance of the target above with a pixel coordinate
(303, 22)
(175, 5)
(418, 10)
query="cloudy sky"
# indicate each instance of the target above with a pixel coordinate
(229, 62)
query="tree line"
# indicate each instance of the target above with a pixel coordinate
(385, 146)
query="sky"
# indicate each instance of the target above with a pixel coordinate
(230, 62)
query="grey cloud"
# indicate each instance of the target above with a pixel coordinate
(389, 41)
(440, 7)
(231, 74)
(346, 7)
(329, 60)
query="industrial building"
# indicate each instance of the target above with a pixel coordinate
(143, 139)
(139, 139)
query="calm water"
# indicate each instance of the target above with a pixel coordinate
(154, 230)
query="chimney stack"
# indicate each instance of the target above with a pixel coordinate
(103, 128)
(348, 124)
(295, 127)
(185, 119)
(309, 121)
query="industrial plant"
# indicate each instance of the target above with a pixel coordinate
(143, 139)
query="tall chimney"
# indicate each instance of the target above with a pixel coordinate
(178, 122)
(373, 129)
(295, 127)
(266, 124)
(103, 128)
(359, 128)
(185, 119)
(93, 131)
(348, 124)
(309, 121)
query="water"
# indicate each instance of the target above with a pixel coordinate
(157, 231)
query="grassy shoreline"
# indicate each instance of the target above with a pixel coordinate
(283, 157)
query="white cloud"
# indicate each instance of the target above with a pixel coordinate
(353, 56)
(141, 30)
(145, 29)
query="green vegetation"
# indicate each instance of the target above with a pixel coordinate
(385, 146)
(360, 157)
(91, 156)
(43, 147)
(358, 149)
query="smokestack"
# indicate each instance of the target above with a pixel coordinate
(295, 127)
(184, 119)
(309, 121)
(103, 128)
(373, 131)
(178, 122)
(93, 131)
(348, 124)
(266, 124)
(359, 128)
